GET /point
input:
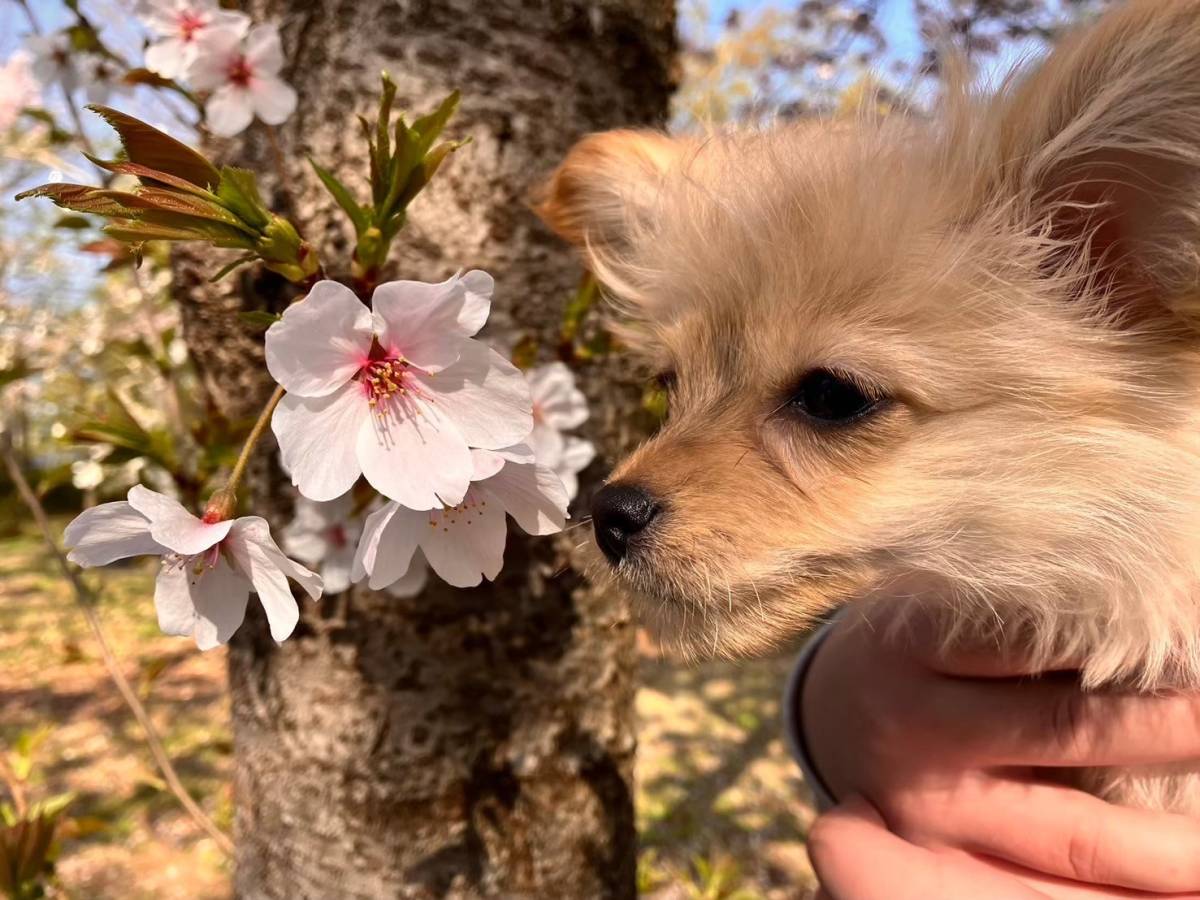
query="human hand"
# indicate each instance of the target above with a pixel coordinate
(940, 764)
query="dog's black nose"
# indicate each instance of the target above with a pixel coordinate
(619, 511)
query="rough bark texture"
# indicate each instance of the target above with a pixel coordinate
(464, 743)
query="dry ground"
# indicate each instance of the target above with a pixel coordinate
(721, 809)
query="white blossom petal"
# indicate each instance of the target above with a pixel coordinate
(420, 321)
(531, 494)
(318, 440)
(216, 48)
(464, 554)
(216, 598)
(385, 550)
(413, 581)
(485, 396)
(220, 597)
(264, 51)
(548, 444)
(173, 526)
(559, 403)
(577, 455)
(416, 457)
(109, 532)
(335, 570)
(229, 110)
(274, 101)
(479, 286)
(168, 58)
(321, 342)
(257, 556)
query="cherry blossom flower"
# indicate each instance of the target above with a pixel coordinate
(181, 25)
(324, 535)
(101, 78)
(242, 71)
(209, 566)
(18, 89)
(464, 543)
(559, 405)
(577, 455)
(53, 61)
(400, 395)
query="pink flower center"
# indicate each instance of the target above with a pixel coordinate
(389, 384)
(189, 23)
(240, 71)
(338, 536)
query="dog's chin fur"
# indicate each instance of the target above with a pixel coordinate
(1018, 277)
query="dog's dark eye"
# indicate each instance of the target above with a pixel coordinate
(831, 398)
(664, 381)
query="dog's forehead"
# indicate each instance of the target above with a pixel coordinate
(803, 249)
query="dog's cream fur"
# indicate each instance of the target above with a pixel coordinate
(1019, 275)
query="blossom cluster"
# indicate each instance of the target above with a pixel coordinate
(451, 437)
(220, 53)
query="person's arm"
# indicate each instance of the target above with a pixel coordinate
(938, 776)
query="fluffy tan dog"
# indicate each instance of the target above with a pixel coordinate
(956, 358)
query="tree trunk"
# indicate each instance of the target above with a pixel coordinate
(463, 743)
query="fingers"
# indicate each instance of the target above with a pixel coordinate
(1057, 831)
(1052, 722)
(857, 858)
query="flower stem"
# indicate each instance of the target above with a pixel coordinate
(239, 468)
(87, 602)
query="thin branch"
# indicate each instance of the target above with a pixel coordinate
(239, 468)
(87, 602)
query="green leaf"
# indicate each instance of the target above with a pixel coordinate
(154, 149)
(258, 318)
(238, 189)
(424, 173)
(160, 200)
(138, 231)
(344, 199)
(430, 126)
(383, 123)
(578, 306)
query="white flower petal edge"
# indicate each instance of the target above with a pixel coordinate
(200, 591)
(412, 582)
(385, 551)
(173, 526)
(560, 403)
(532, 494)
(108, 532)
(255, 553)
(207, 607)
(577, 455)
(318, 440)
(321, 342)
(464, 543)
(485, 395)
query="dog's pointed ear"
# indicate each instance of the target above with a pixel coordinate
(607, 190)
(1100, 147)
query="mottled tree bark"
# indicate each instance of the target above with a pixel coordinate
(463, 743)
